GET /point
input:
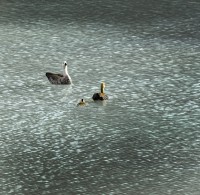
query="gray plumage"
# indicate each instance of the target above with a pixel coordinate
(59, 79)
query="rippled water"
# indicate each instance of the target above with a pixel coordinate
(144, 140)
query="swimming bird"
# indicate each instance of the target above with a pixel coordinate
(101, 95)
(60, 79)
(81, 103)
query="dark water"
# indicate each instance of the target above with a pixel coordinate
(144, 140)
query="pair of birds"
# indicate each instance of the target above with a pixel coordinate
(65, 79)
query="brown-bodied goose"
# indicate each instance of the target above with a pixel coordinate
(60, 79)
(101, 95)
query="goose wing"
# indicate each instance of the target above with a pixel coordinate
(57, 78)
(54, 78)
(100, 96)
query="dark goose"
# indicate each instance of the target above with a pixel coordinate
(60, 79)
(101, 95)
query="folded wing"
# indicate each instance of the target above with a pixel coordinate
(57, 79)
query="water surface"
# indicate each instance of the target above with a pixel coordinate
(144, 140)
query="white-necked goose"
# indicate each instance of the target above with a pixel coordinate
(60, 79)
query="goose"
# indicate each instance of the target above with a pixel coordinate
(60, 79)
(101, 95)
(81, 103)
